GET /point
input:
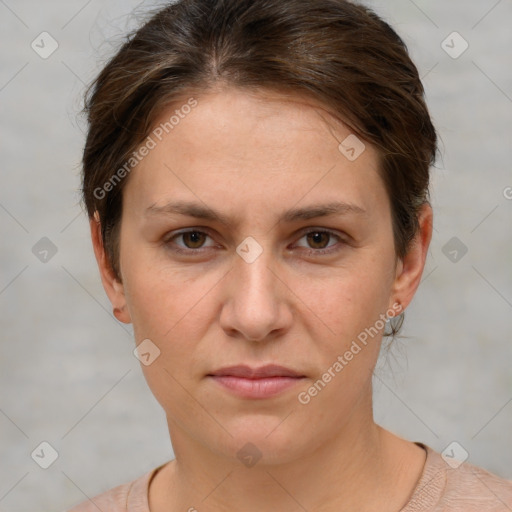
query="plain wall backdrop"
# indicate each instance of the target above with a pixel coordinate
(68, 376)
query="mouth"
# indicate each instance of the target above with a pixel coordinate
(256, 383)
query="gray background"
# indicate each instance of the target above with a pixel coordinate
(67, 372)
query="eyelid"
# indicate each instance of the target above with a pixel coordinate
(177, 234)
(329, 249)
(306, 231)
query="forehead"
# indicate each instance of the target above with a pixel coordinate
(238, 119)
(260, 145)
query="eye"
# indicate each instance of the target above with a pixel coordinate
(193, 241)
(318, 240)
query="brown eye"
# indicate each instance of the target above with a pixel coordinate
(318, 239)
(193, 239)
(319, 242)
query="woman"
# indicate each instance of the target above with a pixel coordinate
(256, 176)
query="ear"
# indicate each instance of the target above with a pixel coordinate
(410, 268)
(113, 287)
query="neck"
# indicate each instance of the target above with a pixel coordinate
(351, 471)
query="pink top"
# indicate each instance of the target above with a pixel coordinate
(441, 488)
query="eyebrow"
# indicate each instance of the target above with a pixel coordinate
(200, 211)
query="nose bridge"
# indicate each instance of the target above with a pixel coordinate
(252, 267)
(257, 282)
(254, 307)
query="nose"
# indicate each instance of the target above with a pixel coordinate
(256, 302)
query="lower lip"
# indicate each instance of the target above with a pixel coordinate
(256, 388)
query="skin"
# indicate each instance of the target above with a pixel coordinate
(252, 157)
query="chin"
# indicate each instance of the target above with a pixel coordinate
(266, 438)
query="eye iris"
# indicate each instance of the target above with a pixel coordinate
(316, 237)
(195, 239)
(194, 236)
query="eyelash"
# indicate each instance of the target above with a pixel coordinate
(309, 252)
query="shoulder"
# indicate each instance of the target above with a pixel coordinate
(477, 489)
(447, 485)
(128, 497)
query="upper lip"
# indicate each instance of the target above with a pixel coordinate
(244, 371)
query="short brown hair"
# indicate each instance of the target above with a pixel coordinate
(339, 53)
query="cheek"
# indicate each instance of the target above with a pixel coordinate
(173, 316)
(176, 304)
(349, 305)
(160, 308)
(157, 295)
(350, 299)
(172, 309)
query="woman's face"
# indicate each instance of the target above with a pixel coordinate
(299, 266)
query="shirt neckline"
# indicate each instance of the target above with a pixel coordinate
(429, 488)
(425, 495)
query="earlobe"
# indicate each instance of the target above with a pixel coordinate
(113, 287)
(410, 268)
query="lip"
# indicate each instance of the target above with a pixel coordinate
(256, 383)
(244, 371)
